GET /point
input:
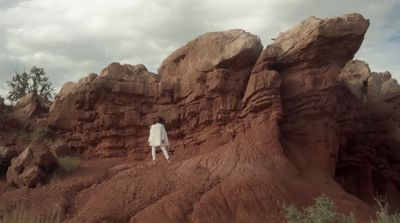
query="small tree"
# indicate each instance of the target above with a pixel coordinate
(35, 82)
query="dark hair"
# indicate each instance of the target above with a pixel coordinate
(159, 119)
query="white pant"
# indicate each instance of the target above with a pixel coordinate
(153, 152)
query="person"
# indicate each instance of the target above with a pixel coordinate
(158, 138)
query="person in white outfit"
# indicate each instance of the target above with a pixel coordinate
(158, 138)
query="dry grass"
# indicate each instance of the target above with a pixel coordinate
(21, 215)
(69, 164)
(323, 211)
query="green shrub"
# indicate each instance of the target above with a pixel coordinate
(323, 211)
(68, 164)
(20, 214)
(46, 135)
(383, 215)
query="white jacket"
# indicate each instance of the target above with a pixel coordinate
(158, 135)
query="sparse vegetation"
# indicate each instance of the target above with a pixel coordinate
(323, 211)
(68, 164)
(10, 187)
(20, 214)
(383, 215)
(46, 135)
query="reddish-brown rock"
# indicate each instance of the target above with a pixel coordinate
(32, 166)
(107, 113)
(6, 154)
(60, 149)
(110, 113)
(250, 129)
(309, 58)
(28, 107)
(242, 126)
(369, 130)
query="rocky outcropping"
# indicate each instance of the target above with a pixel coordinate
(257, 124)
(60, 150)
(109, 114)
(309, 58)
(6, 154)
(369, 161)
(32, 166)
(28, 107)
(251, 128)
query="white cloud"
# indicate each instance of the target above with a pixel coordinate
(72, 38)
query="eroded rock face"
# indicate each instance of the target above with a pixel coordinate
(314, 42)
(32, 166)
(214, 64)
(255, 127)
(110, 113)
(309, 58)
(28, 107)
(63, 112)
(252, 127)
(60, 150)
(6, 154)
(369, 132)
(107, 112)
(9, 126)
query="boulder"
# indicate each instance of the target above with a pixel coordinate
(32, 166)
(60, 150)
(214, 63)
(6, 154)
(355, 76)
(315, 41)
(28, 107)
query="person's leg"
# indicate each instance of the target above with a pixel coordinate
(165, 152)
(153, 153)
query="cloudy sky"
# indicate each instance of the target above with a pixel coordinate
(71, 38)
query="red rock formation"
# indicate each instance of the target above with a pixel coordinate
(27, 115)
(31, 166)
(110, 113)
(368, 165)
(28, 108)
(6, 154)
(252, 129)
(107, 113)
(309, 58)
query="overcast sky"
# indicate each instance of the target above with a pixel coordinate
(71, 38)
